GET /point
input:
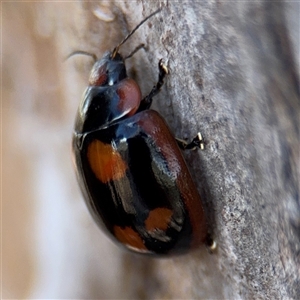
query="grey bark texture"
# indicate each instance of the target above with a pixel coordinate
(234, 76)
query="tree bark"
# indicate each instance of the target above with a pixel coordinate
(234, 77)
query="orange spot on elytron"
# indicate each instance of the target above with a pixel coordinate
(106, 163)
(129, 237)
(159, 218)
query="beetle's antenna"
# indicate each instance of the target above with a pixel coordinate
(134, 51)
(116, 50)
(83, 53)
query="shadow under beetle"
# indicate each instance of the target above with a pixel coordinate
(131, 171)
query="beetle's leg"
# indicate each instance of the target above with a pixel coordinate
(197, 142)
(211, 244)
(147, 101)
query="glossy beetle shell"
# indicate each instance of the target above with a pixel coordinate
(131, 171)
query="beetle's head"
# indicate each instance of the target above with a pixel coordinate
(108, 70)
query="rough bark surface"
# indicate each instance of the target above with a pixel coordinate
(234, 76)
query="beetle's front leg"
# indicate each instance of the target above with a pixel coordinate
(147, 101)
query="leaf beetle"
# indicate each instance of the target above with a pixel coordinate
(130, 167)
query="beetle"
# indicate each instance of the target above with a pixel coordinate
(130, 168)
